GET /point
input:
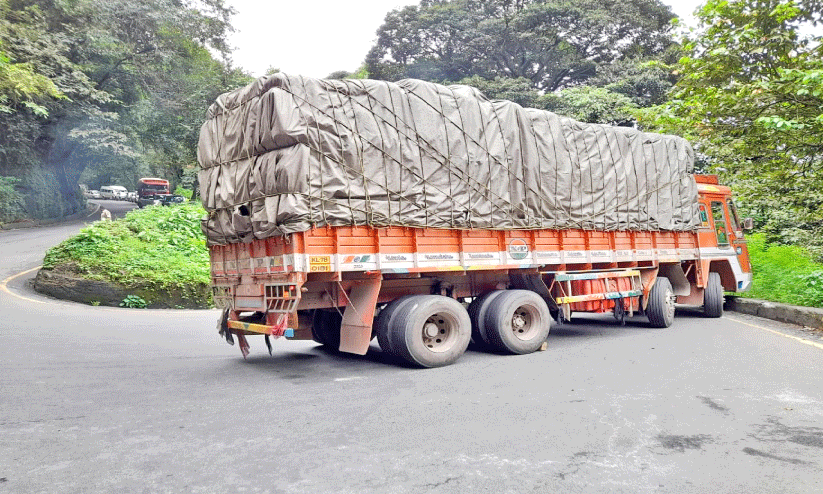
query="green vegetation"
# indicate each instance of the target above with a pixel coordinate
(751, 102)
(10, 200)
(134, 302)
(157, 249)
(182, 191)
(785, 273)
(104, 93)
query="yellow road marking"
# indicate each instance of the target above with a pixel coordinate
(801, 340)
(5, 289)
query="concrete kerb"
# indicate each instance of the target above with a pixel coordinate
(802, 316)
(90, 210)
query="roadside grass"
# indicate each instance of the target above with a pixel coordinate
(159, 248)
(784, 273)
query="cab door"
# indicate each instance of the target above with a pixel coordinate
(738, 240)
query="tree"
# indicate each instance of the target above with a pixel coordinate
(591, 104)
(645, 80)
(123, 66)
(519, 90)
(552, 43)
(751, 99)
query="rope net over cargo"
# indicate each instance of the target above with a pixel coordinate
(287, 153)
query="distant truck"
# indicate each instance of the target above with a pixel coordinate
(429, 216)
(149, 190)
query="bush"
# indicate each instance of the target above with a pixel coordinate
(159, 248)
(784, 273)
(134, 302)
(182, 191)
(10, 200)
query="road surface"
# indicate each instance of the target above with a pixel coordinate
(98, 399)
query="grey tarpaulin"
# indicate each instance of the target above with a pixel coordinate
(286, 153)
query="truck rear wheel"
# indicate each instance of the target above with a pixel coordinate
(477, 315)
(325, 327)
(384, 321)
(713, 297)
(661, 304)
(430, 330)
(517, 322)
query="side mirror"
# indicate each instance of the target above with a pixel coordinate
(748, 223)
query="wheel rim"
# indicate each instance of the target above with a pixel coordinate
(670, 300)
(525, 322)
(439, 332)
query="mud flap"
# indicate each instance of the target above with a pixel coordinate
(244, 345)
(223, 327)
(356, 327)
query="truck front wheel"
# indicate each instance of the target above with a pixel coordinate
(430, 330)
(517, 321)
(713, 297)
(661, 304)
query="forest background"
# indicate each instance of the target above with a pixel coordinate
(106, 92)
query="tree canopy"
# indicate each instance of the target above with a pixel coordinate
(552, 43)
(751, 99)
(113, 89)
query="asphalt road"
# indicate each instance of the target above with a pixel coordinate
(96, 399)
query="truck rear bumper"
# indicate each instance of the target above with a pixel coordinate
(260, 329)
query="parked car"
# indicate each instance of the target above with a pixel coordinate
(115, 192)
(93, 194)
(131, 196)
(168, 199)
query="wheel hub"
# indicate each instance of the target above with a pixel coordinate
(438, 333)
(430, 330)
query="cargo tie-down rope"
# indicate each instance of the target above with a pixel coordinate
(396, 133)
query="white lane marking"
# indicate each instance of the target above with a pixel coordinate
(341, 379)
(801, 340)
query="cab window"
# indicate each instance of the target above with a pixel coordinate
(720, 229)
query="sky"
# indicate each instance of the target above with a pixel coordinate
(317, 37)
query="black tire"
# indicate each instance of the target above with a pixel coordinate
(713, 297)
(477, 314)
(660, 308)
(325, 327)
(430, 331)
(384, 321)
(517, 322)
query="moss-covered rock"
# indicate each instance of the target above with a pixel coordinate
(157, 254)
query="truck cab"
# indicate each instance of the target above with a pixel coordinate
(720, 236)
(149, 190)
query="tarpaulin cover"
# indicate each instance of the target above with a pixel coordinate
(287, 153)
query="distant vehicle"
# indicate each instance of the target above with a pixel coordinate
(149, 188)
(93, 194)
(167, 199)
(115, 192)
(172, 199)
(131, 196)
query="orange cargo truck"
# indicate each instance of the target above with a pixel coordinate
(428, 216)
